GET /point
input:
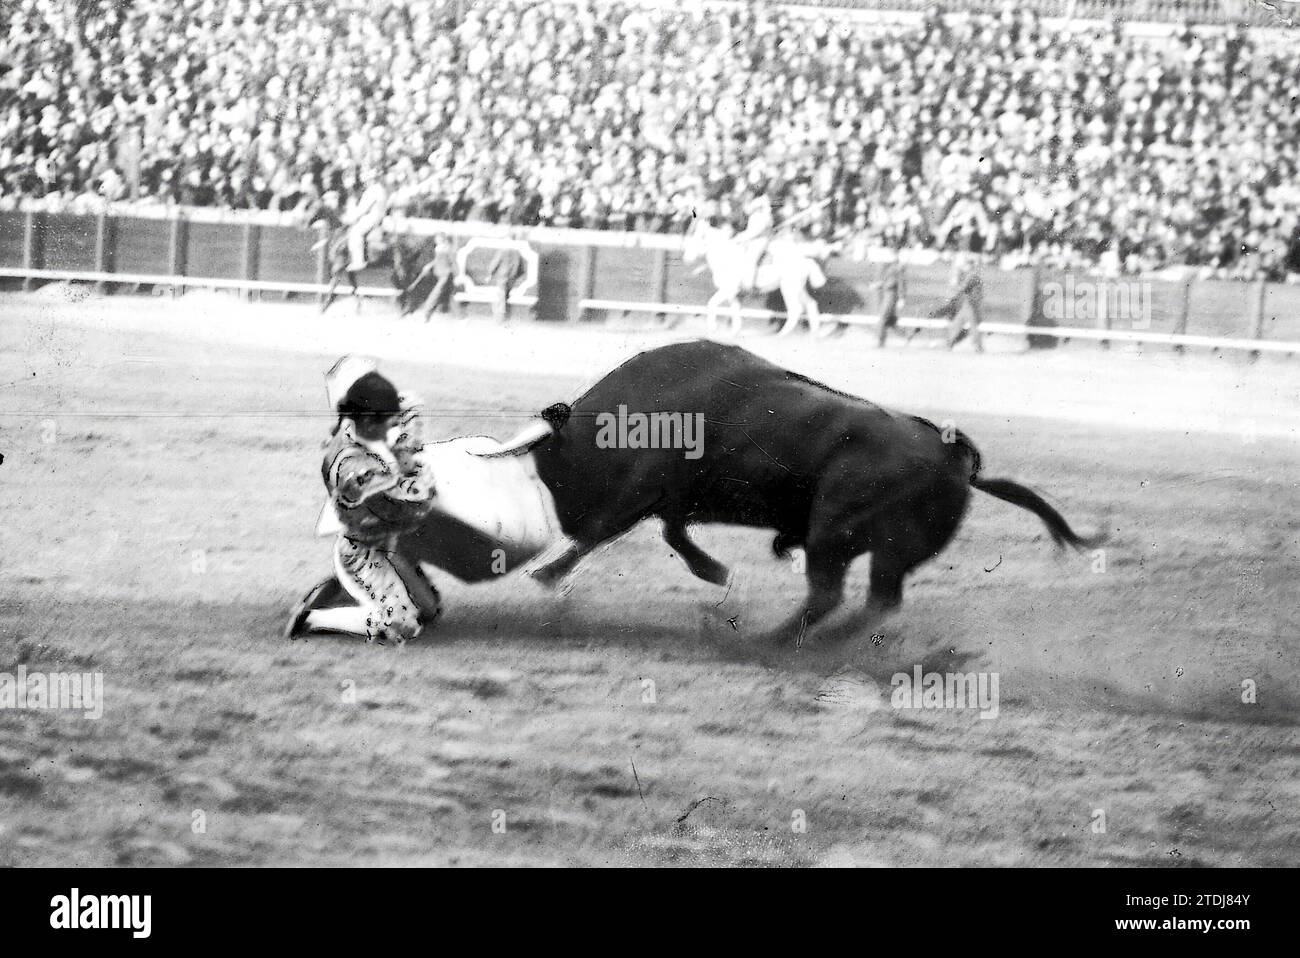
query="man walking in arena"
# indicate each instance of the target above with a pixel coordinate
(968, 289)
(504, 272)
(891, 288)
(442, 268)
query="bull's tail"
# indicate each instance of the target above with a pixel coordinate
(1026, 498)
(1018, 495)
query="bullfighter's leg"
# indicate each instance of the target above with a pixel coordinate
(701, 564)
(393, 600)
(888, 321)
(441, 292)
(976, 317)
(956, 324)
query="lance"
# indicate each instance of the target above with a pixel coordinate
(801, 214)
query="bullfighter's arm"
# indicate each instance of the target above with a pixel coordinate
(355, 477)
(414, 482)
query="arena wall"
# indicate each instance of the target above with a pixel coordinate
(575, 265)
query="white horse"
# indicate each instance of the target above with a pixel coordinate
(787, 267)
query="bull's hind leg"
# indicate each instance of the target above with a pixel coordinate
(701, 564)
(911, 533)
(826, 569)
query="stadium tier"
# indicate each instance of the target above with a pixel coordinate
(1149, 11)
(997, 132)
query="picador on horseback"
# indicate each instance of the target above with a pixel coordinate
(757, 235)
(364, 217)
(354, 238)
(760, 259)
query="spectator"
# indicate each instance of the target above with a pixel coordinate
(990, 131)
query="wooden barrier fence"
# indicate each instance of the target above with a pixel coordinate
(584, 275)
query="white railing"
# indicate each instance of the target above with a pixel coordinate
(1179, 340)
(187, 282)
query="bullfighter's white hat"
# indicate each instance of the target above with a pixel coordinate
(343, 374)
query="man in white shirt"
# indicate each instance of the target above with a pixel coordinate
(364, 218)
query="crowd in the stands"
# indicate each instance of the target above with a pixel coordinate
(995, 133)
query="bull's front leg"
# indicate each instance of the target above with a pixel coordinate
(553, 572)
(701, 564)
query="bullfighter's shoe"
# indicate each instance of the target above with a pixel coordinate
(296, 626)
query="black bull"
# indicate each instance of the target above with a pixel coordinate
(829, 472)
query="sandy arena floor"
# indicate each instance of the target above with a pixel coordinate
(160, 471)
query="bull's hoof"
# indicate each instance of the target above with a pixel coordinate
(559, 581)
(545, 577)
(714, 573)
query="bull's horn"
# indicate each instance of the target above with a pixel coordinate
(522, 443)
